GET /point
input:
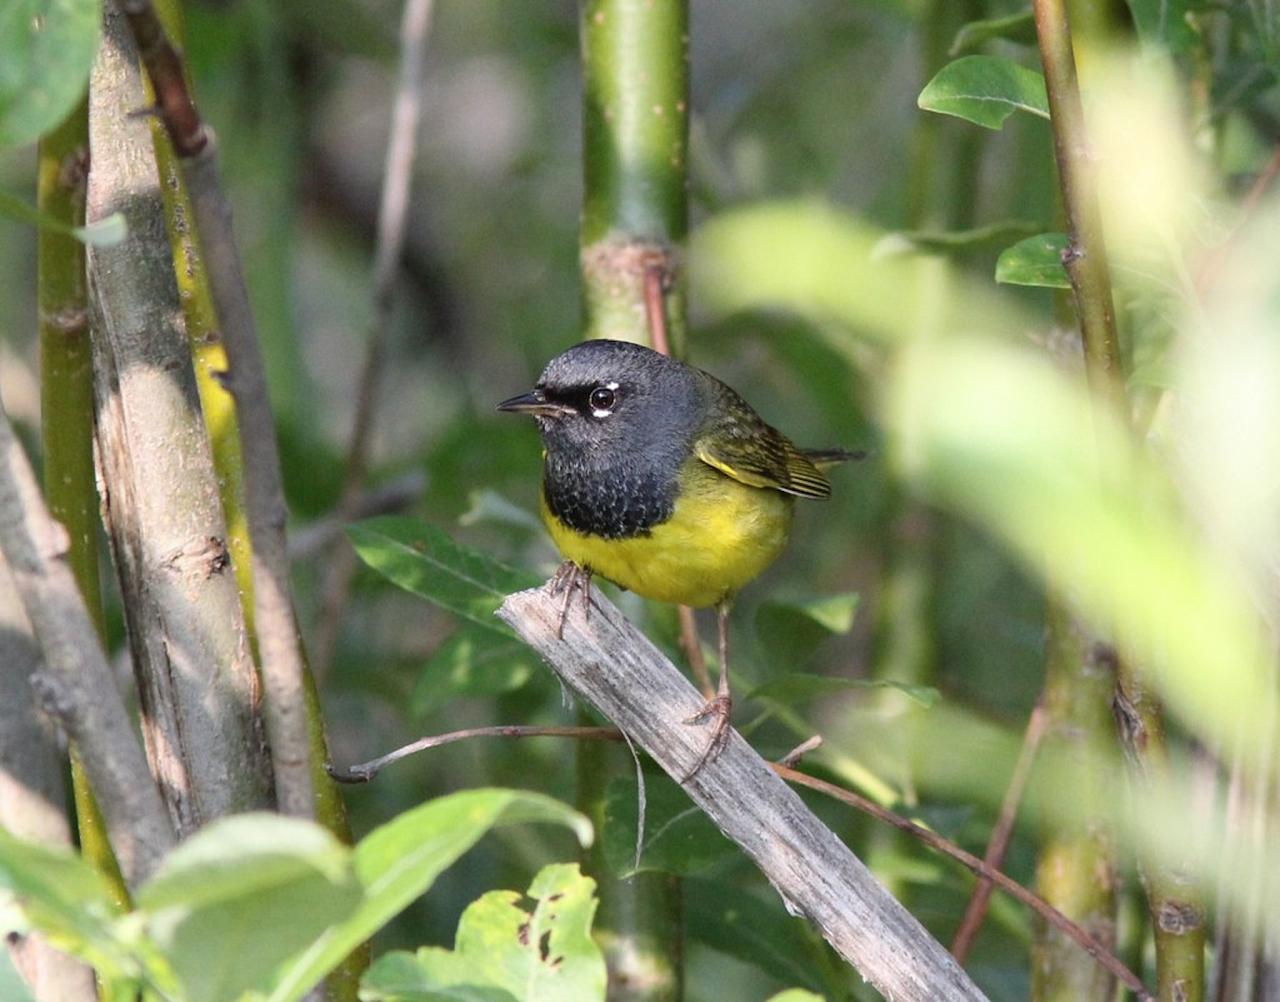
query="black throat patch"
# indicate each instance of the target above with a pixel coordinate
(614, 503)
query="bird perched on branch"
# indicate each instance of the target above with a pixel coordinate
(660, 478)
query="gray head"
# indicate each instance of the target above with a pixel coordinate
(606, 402)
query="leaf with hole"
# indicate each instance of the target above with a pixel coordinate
(503, 952)
(399, 862)
(985, 90)
(1035, 261)
(423, 559)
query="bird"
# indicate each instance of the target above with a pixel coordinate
(662, 479)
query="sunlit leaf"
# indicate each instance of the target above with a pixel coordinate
(46, 52)
(985, 90)
(421, 558)
(678, 837)
(795, 995)
(1035, 261)
(241, 896)
(1165, 22)
(399, 861)
(504, 953)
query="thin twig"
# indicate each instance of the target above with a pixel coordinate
(279, 645)
(365, 772)
(980, 869)
(998, 844)
(393, 214)
(77, 686)
(986, 871)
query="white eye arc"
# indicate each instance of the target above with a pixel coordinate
(602, 399)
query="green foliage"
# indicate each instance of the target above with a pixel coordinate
(678, 838)
(1019, 27)
(46, 52)
(1167, 23)
(423, 559)
(504, 953)
(796, 688)
(953, 241)
(795, 995)
(1035, 261)
(472, 662)
(985, 90)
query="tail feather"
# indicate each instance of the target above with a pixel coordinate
(830, 457)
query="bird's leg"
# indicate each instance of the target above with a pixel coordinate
(720, 707)
(567, 577)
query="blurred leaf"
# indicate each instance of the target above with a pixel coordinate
(796, 995)
(67, 900)
(544, 956)
(678, 837)
(241, 895)
(1165, 23)
(947, 241)
(341, 27)
(472, 662)
(758, 932)
(46, 52)
(422, 559)
(104, 233)
(1035, 261)
(1020, 27)
(12, 987)
(400, 861)
(790, 631)
(487, 505)
(985, 90)
(796, 688)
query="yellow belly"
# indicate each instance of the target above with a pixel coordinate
(721, 535)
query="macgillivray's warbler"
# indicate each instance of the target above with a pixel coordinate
(660, 478)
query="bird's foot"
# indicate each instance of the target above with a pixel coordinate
(719, 710)
(567, 577)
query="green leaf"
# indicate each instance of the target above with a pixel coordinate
(985, 90)
(795, 995)
(1035, 261)
(67, 900)
(104, 233)
(12, 987)
(241, 896)
(950, 241)
(834, 613)
(472, 662)
(756, 931)
(399, 861)
(1165, 23)
(796, 688)
(678, 837)
(791, 630)
(422, 559)
(488, 506)
(543, 956)
(46, 52)
(1020, 27)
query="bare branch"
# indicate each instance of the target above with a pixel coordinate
(279, 645)
(393, 213)
(186, 627)
(77, 686)
(616, 669)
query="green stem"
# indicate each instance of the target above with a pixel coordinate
(66, 387)
(1176, 910)
(634, 224)
(635, 150)
(1075, 872)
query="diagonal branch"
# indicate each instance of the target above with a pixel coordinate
(617, 670)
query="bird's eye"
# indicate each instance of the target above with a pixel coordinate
(601, 400)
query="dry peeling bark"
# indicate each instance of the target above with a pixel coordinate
(199, 688)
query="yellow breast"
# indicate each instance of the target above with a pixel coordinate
(721, 534)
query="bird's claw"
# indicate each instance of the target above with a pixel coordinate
(720, 709)
(567, 577)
